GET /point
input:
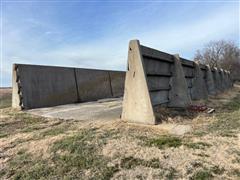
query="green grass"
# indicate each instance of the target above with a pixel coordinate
(80, 154)
(207, 173)
(197, 145)
(171, 174)
(56, 130)
(20, 122)
(202, 155)
(16, 164)
(236, 172)
(131, 162)
(228, 121)
(5, 101)
(164, 142)
(202, 175)
(25, 166)
(2, 135)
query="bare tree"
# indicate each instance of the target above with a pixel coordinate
(221, 54)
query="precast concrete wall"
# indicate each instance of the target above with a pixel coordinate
(158, 79)
(37, 86)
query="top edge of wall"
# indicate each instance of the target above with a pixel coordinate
(38, 65)
(185, 62)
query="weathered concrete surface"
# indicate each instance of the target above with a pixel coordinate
(43, 86)
(117, 80)
(217, 80)
(210, 82)
(37, 86)
(15, 89)
(93, 85)
(158, 74)
(199, 89)
(222, 82)
(225, 80)
(107, 109)
(230, 82)
(178, 95)
(137, 106)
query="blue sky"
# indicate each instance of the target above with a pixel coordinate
(95, 34)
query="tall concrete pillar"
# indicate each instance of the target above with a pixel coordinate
(210, 82)
(137, 106)
(217, 80)
(199, 89)
(230, 79)
(225, 80)
(16, 93)
(222, 85)
(178, 95)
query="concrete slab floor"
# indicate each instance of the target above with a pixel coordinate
(102, 110)
(106, 109)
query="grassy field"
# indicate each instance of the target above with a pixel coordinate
(33, 147)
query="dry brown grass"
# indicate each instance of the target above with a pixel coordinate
(33, 147)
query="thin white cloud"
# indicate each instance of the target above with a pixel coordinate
(110, 52)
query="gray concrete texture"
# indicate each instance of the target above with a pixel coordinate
(178, 95)
(210, 82)
(217, 80)
(137, 105)
(155, 78)
(199, 88)
(104, 109)
(37, 86)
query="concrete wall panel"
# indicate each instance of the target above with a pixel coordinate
(159, 97)
(93, 85)
(188, 71)
(157, 67)
(43, 86)
(189, 82)
(156, 83)
(117, 83)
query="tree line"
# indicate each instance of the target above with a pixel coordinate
(222, 54)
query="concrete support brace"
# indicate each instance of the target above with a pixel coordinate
(217, 80)
(210, 82)
(178, 95)
(199, 89)
(16, 94)
(222, 85)
(137, 106)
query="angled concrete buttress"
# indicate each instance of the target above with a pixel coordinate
(178, 95)
(137, 106)
(222, 80)
(16, 95)
(229, 79)
(210, 82)
(217, 80)
(199, 89)
(225, 80)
